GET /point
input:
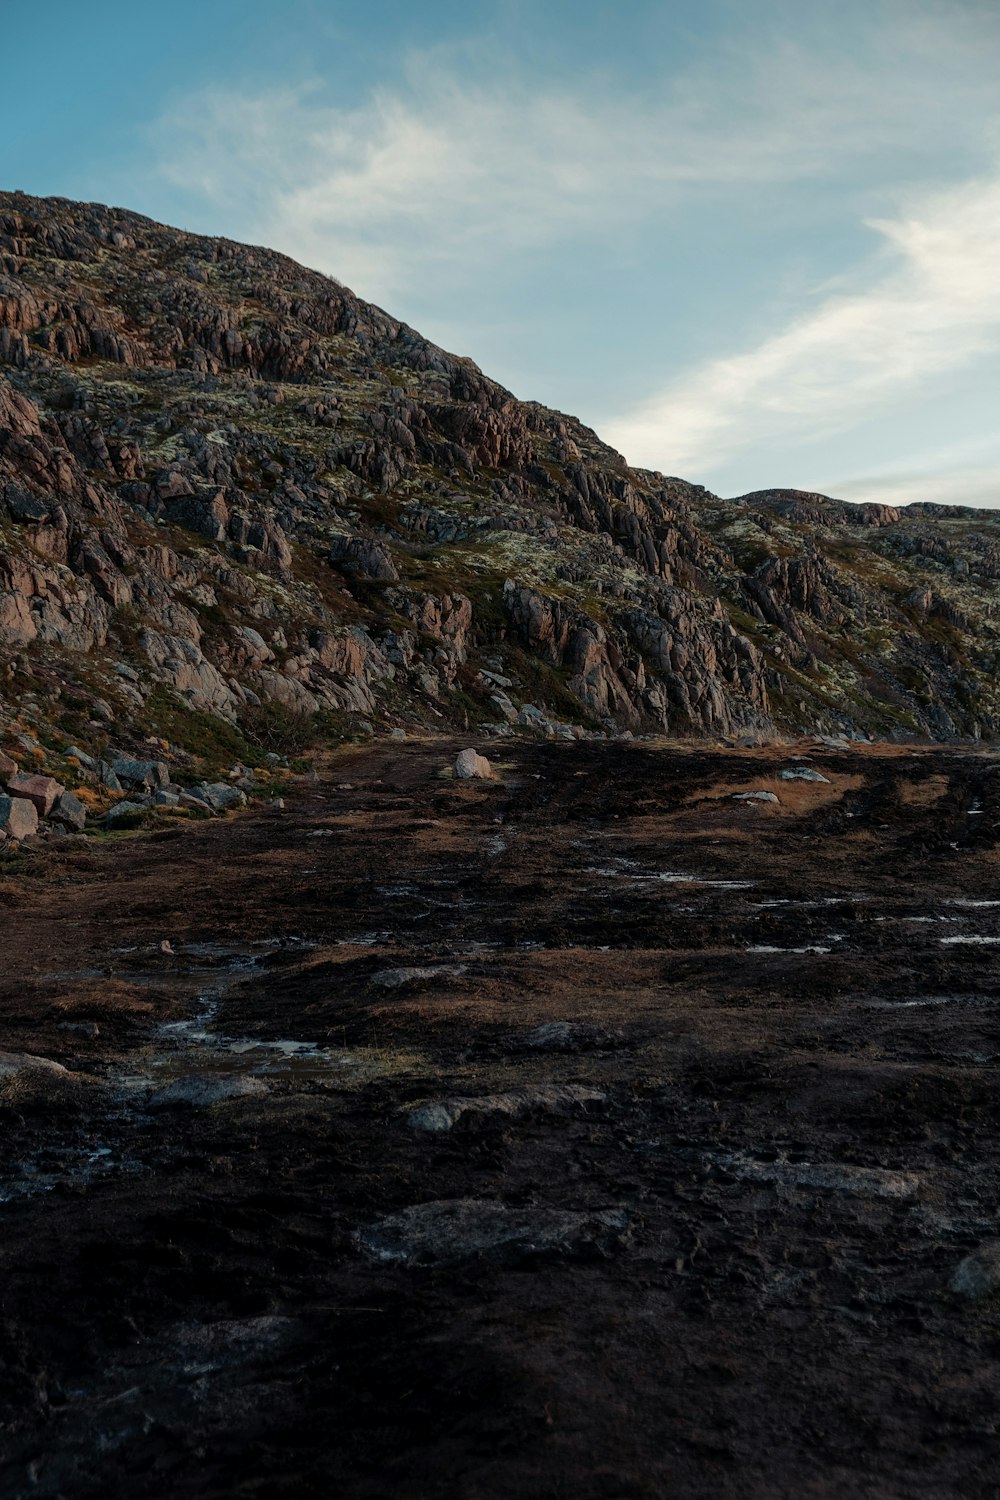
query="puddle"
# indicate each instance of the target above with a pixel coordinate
(922, 1000)
(809, 948)
(803, 903)
(194, 1046)
(53, 1167)
(626, 871)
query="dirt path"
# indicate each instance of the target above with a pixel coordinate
(587, 1133)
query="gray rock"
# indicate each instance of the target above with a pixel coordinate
(70, 812)
(874, 1182)
(470, 765)
(755, 797)
(803, 773)
(397, 734)
(163, 798)
(978, 1275)
(363, 557)
(145, 773)
(14, 1065)
(201, 1090)
(122, 810)
(198, 804)
(532, 717)
(450, 1231)
(504, 706)
(18, 817)
(87, 761)
(398, 979)
(444, 1114)
(219, 795)
(567, 1036)
(89, 1030)
(107, 777)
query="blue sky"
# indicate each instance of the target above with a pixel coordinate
(751, 242)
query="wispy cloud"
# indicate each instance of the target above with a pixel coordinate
(931, 306)
(466, 158)
(468, 173)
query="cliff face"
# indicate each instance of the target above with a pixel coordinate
(230, 487)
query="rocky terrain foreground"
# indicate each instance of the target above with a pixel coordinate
(623, 1123)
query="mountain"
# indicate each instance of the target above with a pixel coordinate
(239, 505)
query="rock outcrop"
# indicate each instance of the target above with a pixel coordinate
(229, 488)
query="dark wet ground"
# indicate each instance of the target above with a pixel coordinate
(693, 1237)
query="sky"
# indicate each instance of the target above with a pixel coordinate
(754, 243)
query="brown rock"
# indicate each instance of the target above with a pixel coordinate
(8, 767)
(41, 791)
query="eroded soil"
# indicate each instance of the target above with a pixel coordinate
(587, 1133)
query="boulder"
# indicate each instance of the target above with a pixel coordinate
(198, 804)
(835, 1177)
(15, 1065)
(445, 1114)
(450, 1231)
(70, 812)
(219, 795)
(87, 761)
(399, 979)
(122, 810)
(107, 777)
(18, 817)
(42, 791)
(755, 797)
(470, 765)
(363, 557)
(803, 773)
(8, 767)
(567, 1036)
(201, 1090)
(144, 773)
(978, 1275)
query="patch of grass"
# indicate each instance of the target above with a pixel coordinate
(199, 733)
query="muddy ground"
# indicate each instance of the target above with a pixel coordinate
(586, 1133)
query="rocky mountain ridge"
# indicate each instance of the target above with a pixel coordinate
(239, 506)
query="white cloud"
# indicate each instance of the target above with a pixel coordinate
(467, 160)
(931, 307)
(963, 485)
(467, 188)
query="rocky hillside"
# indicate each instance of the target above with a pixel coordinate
(240, 508)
